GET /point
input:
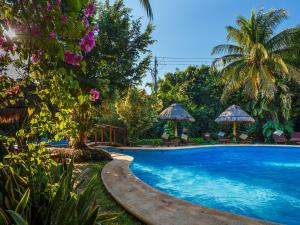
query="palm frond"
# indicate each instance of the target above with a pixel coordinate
(236, 35)
(225, 60)
(227, 49)
(147, 6)
(284, 39)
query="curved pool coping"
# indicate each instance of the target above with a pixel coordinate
(154, 207)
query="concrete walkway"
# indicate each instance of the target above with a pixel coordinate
(156, 208)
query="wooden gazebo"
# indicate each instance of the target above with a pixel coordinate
(110, 135)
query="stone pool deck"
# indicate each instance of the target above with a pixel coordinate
(157, 208)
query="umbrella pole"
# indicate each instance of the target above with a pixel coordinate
(234, 131)
(175, 128)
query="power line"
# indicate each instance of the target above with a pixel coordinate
(166, 57)
(181, 64)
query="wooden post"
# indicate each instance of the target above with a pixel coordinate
(110, 135)
(125, 136)
(95, 137)
(175, 128)
(101, 134)
(115, 136)
(234, 131)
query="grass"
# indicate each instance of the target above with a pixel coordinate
(107, 203)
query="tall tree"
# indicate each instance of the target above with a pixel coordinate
(256, 58)
(138, 111)
(119, 60)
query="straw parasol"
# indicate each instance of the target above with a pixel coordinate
(12, 114)
(234, 114)
(176, 113)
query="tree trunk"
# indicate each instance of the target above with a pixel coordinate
(81, 141)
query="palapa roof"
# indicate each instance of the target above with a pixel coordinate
(12, 114)
(176, 112)
(234, 114)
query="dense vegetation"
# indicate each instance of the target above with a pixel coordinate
(81, 64)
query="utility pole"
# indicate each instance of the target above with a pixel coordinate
(154, 75)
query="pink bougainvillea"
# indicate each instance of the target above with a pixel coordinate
(2, 40)
(96, 29)
(85, 22)
(88, 42)
(49, 6)
(90, 9)
(95, 95)
(72, 58)
(16, 89)
(34, 58)
(35, 30)
(53, 34)
(64, 19)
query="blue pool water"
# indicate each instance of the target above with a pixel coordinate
(260, 182)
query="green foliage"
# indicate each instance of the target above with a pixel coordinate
(119, 60)
(151, 142)
(199, 91)
(121, 57)
(169, 129)
(260, 62)
(198, 140)
(138, 111)
(270, 126)
(58, 199)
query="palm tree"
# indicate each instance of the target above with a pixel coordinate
(255, 57)
(147, 7)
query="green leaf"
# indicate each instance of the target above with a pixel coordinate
(23, 203)
(92, 218)
(3, 218)
(19, 220)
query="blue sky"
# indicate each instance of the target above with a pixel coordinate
(191, 28)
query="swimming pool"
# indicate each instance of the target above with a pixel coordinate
(257, 181)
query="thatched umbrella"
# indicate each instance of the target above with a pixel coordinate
(176, 113)
(234, 114)
(12, 114)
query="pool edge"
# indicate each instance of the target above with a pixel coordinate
(202, 146)
(154, 207)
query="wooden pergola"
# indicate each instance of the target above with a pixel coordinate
(110, 135)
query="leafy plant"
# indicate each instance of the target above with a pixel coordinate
(270, 126)
(138, 111)
(61, 199)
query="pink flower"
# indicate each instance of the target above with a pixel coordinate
(49, 6)
(85, 22)
(90, 9)
(34, 59)
(16, 89)
(52, 34)
(88, 42)
(2, 40)
(64, 19)
(35, 30)
(95, 95)
(96, 29)
(72, 58)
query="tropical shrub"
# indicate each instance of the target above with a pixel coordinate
(138, 111)
(151, 142)
(58, 198)
(270, 126)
